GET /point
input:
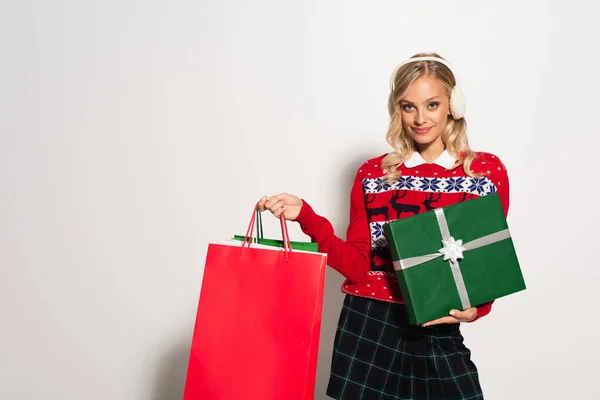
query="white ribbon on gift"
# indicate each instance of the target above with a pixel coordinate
(452, 251)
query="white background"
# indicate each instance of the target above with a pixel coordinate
(132, 133)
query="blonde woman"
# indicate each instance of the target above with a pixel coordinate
(377, 353)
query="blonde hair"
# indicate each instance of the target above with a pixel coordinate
(454, 136)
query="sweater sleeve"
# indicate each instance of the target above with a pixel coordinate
(351, 257)
(496, 172)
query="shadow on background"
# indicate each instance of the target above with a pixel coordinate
(170, 377)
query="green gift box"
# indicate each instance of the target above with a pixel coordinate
(260, 239)
(454, 257)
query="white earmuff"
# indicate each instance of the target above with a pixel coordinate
(458, 104)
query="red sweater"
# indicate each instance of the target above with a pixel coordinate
(363, 258)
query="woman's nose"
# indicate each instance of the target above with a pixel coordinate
(420, 118)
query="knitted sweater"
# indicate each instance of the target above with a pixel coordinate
(363, 258)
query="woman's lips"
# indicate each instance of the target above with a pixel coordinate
(421, 131)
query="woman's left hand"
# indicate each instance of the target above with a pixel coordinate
(455, 317)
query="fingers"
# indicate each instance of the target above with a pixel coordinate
(261, 203)
(455, 316)
(272, 200)
(275, 204)
(279, 211)
(460, 315)
(267, 202)
(466, 315)
(443, 320)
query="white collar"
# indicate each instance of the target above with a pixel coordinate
(445, 160)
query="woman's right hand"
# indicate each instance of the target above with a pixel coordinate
(285, 203)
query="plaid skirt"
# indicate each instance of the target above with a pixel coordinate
(378, 355)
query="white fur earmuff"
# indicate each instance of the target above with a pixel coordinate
(458, 104)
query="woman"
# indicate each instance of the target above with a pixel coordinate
(377, 353)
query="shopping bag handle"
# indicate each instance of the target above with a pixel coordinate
(259, 225)
(287, 246)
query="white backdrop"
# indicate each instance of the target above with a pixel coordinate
(132, 133)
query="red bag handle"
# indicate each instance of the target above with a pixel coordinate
(285, 234)
(287, 246)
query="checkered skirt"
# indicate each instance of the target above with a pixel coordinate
(378, 355)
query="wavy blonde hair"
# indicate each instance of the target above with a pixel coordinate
(454, 136)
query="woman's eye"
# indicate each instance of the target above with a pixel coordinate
(433, 105)
(407, 107)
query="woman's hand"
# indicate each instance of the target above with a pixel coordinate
(455, 317)
(285, 203)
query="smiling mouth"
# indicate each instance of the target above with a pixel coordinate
(421, 131)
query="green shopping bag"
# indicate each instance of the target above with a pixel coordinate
(260, 239)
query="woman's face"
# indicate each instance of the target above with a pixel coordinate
(425, 109)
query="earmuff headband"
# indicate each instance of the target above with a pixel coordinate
(425, 58)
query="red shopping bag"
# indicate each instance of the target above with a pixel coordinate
(258, 323)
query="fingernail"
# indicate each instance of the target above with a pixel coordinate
(452, 312)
